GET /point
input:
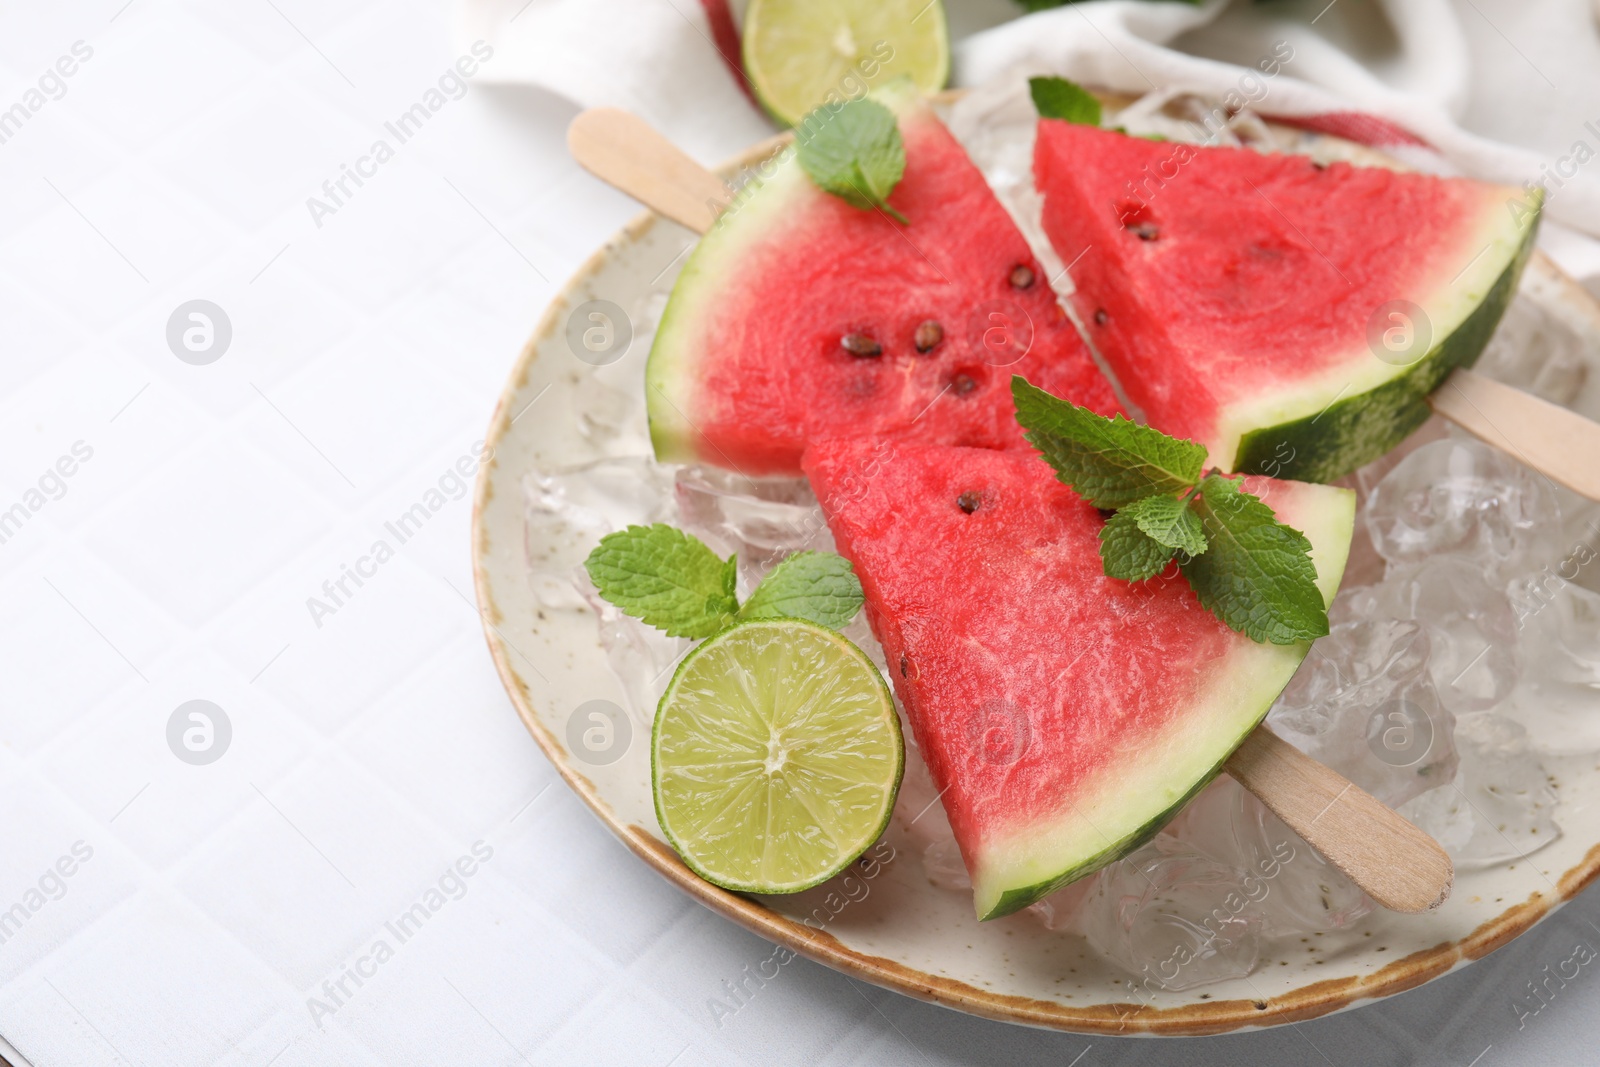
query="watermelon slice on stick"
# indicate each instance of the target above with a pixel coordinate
(1065, 716)
(1291, 317)
(800, 316)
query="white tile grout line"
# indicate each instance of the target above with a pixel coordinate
(491, 1025)
(85, 1019)
(270, 662)
(96, 629)
(129, 804)
(486, 221)
(302, 834)
(310, 42)
(302, 434)
(270, 262)
(96, 230)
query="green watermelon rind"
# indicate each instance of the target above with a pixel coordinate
(894, 724)
(1014, 900)
(1329, 524)
(1350, 432)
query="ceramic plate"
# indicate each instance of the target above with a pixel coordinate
(888, 924)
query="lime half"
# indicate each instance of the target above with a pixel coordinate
(776, 756)
(801, 54)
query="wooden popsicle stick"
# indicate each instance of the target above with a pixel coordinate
(625, 151)
(1397, 865)
(1558, 443)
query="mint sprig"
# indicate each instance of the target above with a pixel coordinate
(1248, 569)
(671, 580)
(1058, 98)
(855, 153)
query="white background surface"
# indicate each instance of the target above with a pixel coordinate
(370, 752)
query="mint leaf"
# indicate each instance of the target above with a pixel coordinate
(818, 586)
(1127, 552)
(1169, 522)
(1058, 98)
(1111, 463)
(1256, 575)
(854, 153)
(666, 578)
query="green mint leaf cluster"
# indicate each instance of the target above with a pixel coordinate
(674, 582)
(1248, 569)
(855, 153)
(1058, 98)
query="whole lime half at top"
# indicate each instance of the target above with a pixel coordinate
(801, 54)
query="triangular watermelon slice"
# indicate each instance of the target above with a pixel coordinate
(1065, 716)
(1267, 306)
(799, 316)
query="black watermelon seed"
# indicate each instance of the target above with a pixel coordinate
(860, 344)
(902, 666)
(968, 502)
(928, 336)
(963, 384)
(1021, 276)
(1100, 317)
(1145, 231)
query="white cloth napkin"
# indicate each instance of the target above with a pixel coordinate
(1504, 90)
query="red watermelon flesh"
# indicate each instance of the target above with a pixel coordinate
(1237, 295)
(1064, 715)
(750, 362)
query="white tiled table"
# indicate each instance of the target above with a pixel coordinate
(372, 748)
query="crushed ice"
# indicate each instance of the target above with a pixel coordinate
(1470, 612)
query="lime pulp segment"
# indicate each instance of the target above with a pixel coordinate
(776, 756)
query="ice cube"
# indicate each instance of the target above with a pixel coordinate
(1303, 893)
(603, 413)
(1474, 659)
(1174, 917)
(1500, 806)
(1558, 698)
(1365, 566)
(1063, 910)
(1457, 495)
(762, 519)
(569, 509)
(641, 656)
(1364, 703)
(1537, 352)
